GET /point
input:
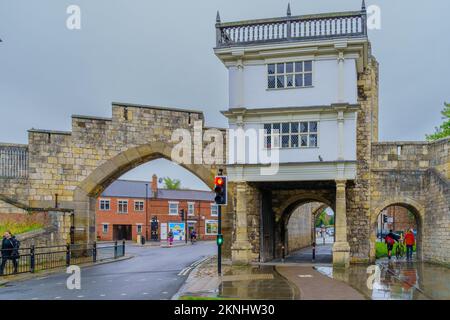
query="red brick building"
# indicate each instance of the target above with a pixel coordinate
(127, 209)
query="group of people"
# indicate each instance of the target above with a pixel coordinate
(10, 252)
(409, 240)
(193, 236)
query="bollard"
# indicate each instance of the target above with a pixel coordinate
(115, 249)
(68, 255)
(94, 252)
(123, 245)
(313, 251)
(283, 253)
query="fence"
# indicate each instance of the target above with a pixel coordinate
(298, 28)
(13, 161)
(34, 259)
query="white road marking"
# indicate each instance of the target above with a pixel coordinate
(80, 296)
(144, 293)
(305, 276)
(103, 295)
(182, 272)
(35, 299)
(57, 297)
(164, 292)
(123, 294)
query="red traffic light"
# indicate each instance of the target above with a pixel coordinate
(218, 181)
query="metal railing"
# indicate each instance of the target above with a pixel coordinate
(32, 259)
(292, 28)
(13, 161)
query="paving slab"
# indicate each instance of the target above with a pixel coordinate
(313, 285)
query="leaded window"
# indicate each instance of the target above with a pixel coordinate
(291, 134)
(289, 75)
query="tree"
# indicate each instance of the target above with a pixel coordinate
(322, 219)
(444, 130)
(172, 184)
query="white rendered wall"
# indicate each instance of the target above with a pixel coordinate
(254, 93)
(327, 140)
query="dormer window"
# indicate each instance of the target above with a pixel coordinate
(289, 75)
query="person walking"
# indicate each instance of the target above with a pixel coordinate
(10, 251)
(410, 241)
(193, 236)
(170, 235)
(390, 240)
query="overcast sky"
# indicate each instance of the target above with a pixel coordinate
(160, 53)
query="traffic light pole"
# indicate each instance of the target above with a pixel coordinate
(219, 247)
(185, 227)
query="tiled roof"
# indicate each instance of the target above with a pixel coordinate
(136, 189)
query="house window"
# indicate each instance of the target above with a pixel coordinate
(122, 206)
(105, 205)
(173, 208)
(214, 210)
(191, 208)
(289, 75)
(138, 205)
(291, 134)
(105, 228)
(211, 227)
(139, 228)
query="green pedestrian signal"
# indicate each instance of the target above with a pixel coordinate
(219, 239)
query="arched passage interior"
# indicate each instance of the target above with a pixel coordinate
(398, 217)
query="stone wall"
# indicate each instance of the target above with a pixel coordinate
(75, 167)
(436, 233)
(358, 192)
(300, 226)
(414, 175)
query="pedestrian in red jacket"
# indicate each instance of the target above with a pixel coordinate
(410, 241)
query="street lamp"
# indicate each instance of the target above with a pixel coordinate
(146, 212)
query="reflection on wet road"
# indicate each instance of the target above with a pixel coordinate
(399, 280)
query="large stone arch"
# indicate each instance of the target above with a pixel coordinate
(100, 178)
(417, 208)
(297, 200)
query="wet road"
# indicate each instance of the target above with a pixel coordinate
(154, 273)
(399, 280)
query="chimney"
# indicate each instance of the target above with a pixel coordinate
(154, 185)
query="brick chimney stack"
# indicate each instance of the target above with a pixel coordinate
(154, 185)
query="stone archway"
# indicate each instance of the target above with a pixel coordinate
(413, 206)
(94, 184)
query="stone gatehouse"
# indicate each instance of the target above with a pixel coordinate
(311, 84)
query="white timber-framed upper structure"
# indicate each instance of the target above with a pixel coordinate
(292, 73)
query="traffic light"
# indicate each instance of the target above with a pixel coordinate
(220, 189)
(219, 239)
(182, 214)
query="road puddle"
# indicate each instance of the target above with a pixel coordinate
(399, 280)
(255, 282)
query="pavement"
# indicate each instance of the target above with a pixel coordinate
(313, 285)
(153, 273)
(324, 254)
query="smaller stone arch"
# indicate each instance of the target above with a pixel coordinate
(413, 205)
